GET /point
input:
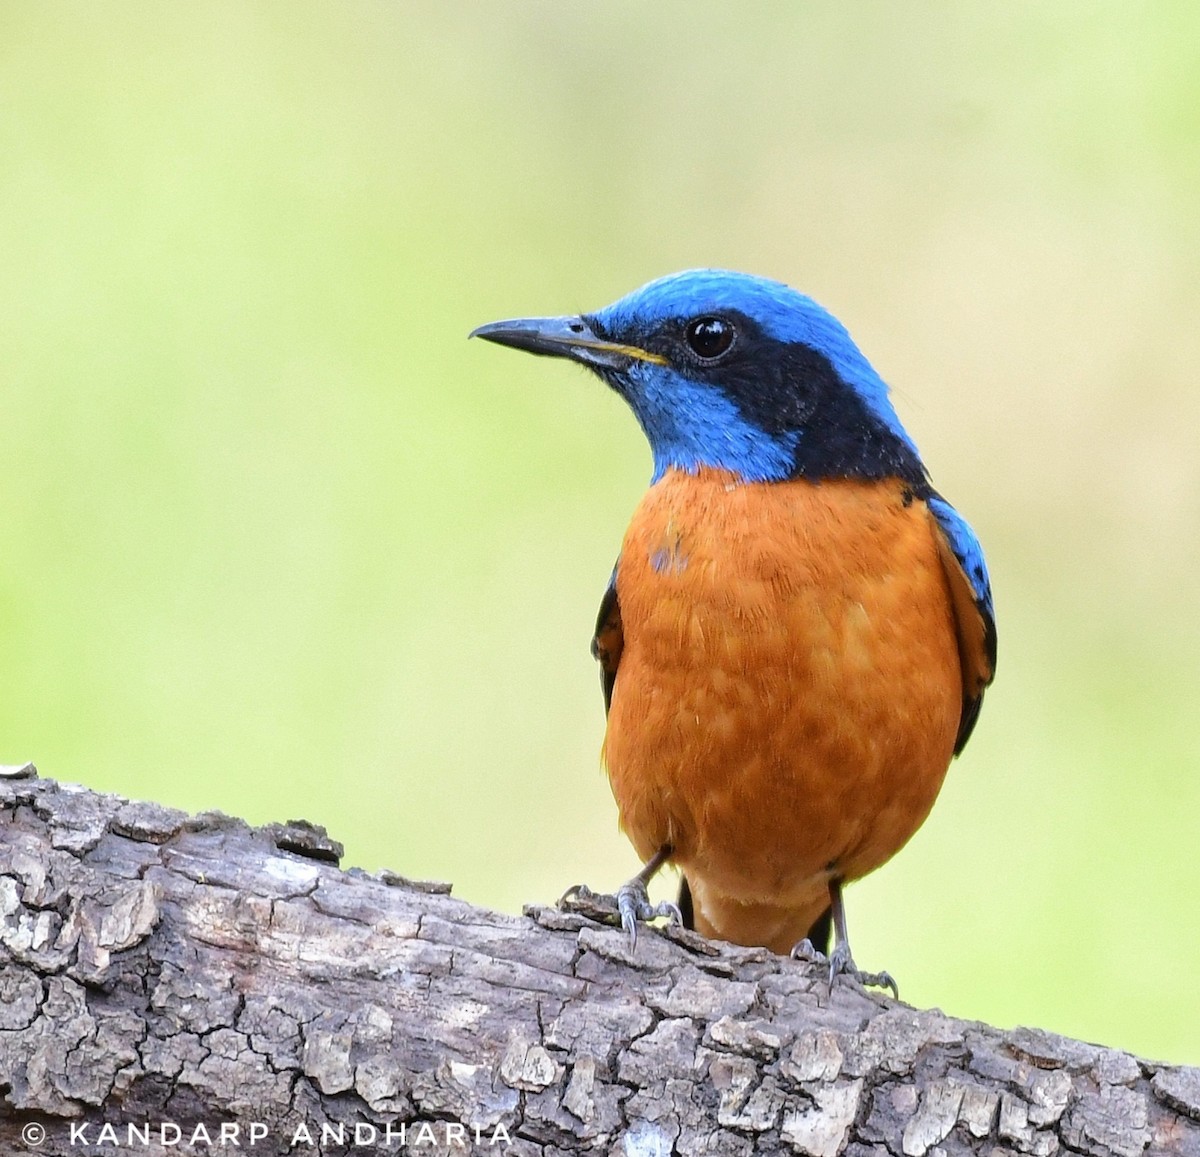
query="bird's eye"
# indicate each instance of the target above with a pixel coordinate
(709, 337)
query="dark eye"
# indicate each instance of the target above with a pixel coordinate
(709, 337)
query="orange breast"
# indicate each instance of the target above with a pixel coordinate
(789, 690)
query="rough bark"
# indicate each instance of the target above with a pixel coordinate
(183, 974)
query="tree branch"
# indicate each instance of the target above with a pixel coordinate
(181, 976)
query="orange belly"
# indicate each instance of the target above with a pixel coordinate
(788, 693)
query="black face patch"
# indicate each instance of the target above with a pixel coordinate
(789, 387)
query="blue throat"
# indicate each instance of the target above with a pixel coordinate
(696, 428)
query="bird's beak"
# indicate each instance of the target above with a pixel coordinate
(564, 337)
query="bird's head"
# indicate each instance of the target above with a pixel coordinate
(734, 372)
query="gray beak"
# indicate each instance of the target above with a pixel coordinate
(564, 337)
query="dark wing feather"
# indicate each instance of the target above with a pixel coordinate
(609, 639)
(974, 613)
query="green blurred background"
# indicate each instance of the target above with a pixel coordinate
(277, 540)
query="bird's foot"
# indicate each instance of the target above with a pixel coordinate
(633, 902)
(630, 906)
(841, 963)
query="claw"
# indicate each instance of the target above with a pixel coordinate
(841, 963)
(806, 951)
(595, 905)
(633, 903)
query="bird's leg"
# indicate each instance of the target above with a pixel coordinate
(839, 960)
(632, 901)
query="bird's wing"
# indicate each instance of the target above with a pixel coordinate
(609, 639)
(974, 616)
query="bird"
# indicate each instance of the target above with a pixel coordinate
(797, 635)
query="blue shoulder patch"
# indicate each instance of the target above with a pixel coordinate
(974, 615)
(966, 549)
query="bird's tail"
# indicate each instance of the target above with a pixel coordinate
(685, 904)
(820, 934)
